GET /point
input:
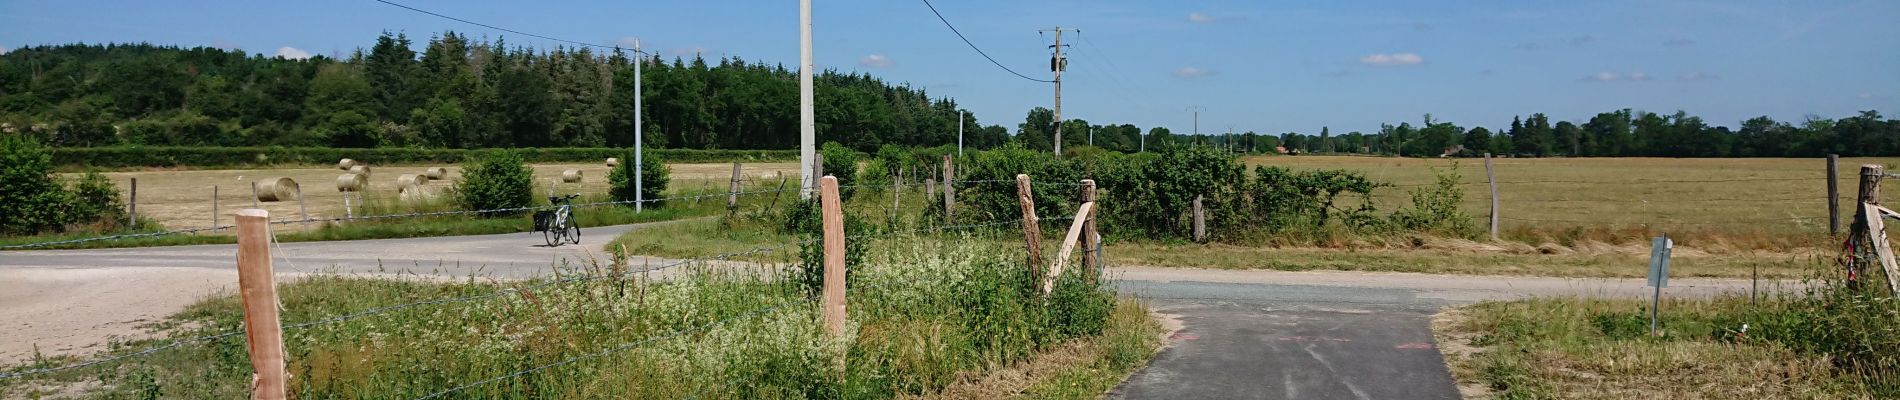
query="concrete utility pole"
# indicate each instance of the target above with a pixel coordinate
(807, 122)
(1056, 64)
(639, 135)
(961, 115)
(1197, 119)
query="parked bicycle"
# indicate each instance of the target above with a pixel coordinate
(558, 225)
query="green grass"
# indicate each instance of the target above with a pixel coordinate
(1831, 343)
(919, 324)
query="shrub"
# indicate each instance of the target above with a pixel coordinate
(805, 219)
(31, 201)
(172, 156)
(96, 199)
(498, 180)
(841, 162)
(654, 176)
(1435, 208)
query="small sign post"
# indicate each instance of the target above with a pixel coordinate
(1659, 249)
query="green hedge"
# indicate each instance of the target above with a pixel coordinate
(187, 156)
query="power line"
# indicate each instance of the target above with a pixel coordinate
(966, 40)
(573, 42)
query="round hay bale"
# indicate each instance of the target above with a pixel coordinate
(571, 176)
(345, 164)
(360, 169)
(407, 181)
(435, 173)
(351, 182)
(613, 162)
(279, 189)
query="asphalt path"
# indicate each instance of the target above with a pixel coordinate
(1242, 334)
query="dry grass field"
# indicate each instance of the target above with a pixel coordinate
(1739, 204)
(182, 199)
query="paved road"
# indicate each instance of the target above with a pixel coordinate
(1244, 334)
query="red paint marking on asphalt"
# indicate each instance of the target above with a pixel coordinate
(1414, 346)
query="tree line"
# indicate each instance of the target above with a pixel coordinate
(457, 93)
(1619, 133)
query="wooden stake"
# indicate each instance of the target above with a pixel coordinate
(132, 207)
(1491, 177)
(1082, 214)
(1200, 221)
(834, 255)
(949, 192)
(1833, 195)
(214, 206)
(930, 189)
(1032, 228)
(263, 331)
(732, 193)
(1091, 264)
(304, 212)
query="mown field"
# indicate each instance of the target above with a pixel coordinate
(1716, 204)
(182, 199)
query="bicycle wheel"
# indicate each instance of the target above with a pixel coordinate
(552, 235)
(573, 233)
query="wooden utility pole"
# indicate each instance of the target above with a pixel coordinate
(834, 255)
(263, 331)
(1091, 242)
(1032, 228)
(1491, 177)
(949, 191)
(1833, 195)
(1057, 64)
(732, 192)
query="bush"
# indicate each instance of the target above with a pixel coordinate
(498, 180)
(1435, 208)
(654, 177)
(805, 219)
(96, 199)
(841, 162)
(175, 156)
(31, 201)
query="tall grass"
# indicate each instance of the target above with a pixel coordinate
(919, 323)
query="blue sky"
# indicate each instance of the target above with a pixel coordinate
(1266, 66)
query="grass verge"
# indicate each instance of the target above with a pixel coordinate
(920, 322)
(1826, 344)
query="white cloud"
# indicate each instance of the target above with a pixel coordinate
(876, 61)
(1696, 76)
(1605, 76)
(292, 53)
(1200, 18)
(1392, 59)
(1193, 72)
(1639, 76)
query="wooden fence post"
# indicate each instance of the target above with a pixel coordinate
(949, 191)
(817, 165)
(254, 195)
(1200, 220)
(1032, 228)
(214, 206)
(1833, 195)
(732, 193)
(1082, 214)
(263, 331)
(834, 255)
(132, 207)
(1866, 220)
(1090, 241)
(930, 190)
(304, 212)
(1491, 177)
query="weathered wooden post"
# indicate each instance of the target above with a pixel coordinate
(1492, 178)
(1200, 221)
(132, 207)
(949, 191)
(930, 189)
(254, 195)
(834, 255)
(1032, 228)
(818, 165)
(301, 211)
(214, 206)
(1082, 214)
(263, 331)
(1091, 265)
(1833, 195)
(732, 191)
